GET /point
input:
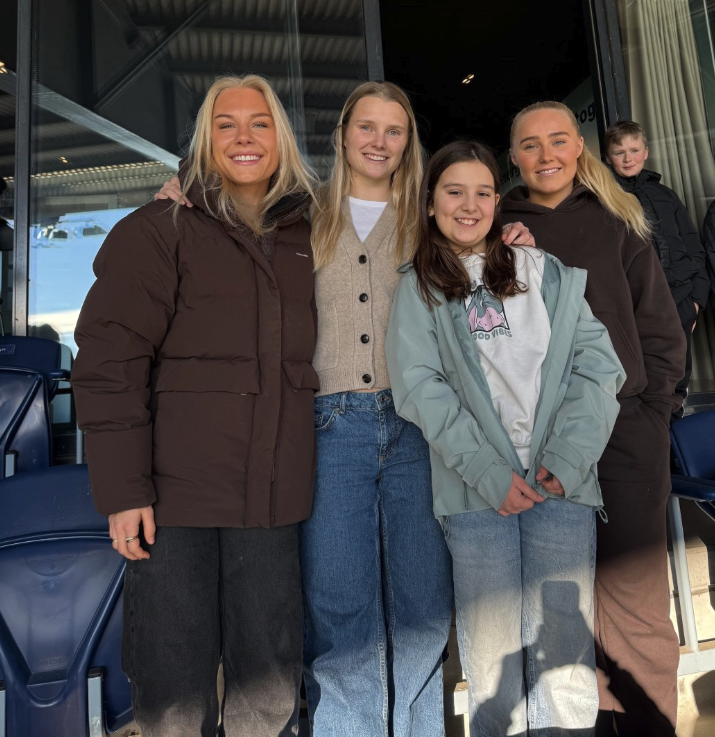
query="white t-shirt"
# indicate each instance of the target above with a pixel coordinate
(512, 339)
(365, 214)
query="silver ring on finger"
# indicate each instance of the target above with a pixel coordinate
(131, 539)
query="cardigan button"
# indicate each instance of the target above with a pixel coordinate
(363, 297)
(367, 378)
(365, 338)
(362, 259)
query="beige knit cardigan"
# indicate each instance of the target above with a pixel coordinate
(354, 295)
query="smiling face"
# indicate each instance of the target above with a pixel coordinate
(244, 143)
(628, 157)
(463, 206)
(546, 147)
(374, 138)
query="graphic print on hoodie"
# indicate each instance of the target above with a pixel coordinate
(484, 311)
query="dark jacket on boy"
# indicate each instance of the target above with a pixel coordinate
(675, 238)
(680, 253)
(709, 244)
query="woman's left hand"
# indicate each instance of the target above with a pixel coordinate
(517, 234)
(549, 482)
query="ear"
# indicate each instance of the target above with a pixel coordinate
(645, 156)
(513, 158)
(496, 200)
(580, 145)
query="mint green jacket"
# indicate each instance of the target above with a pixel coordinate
(437, 383)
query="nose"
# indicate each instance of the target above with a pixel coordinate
(545, 154)
(378, 140)
(470, 203)
(243, 133)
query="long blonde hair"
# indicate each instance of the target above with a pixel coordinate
(595, 175)
(291, 176)
(328, 221)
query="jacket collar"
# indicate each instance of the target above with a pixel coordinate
(287, 210)
(631, 183)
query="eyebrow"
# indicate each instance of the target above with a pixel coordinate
(551, 135)
(372, 122)
(253, 115)
(457, 184)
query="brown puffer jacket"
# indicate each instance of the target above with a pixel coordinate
(193, 379)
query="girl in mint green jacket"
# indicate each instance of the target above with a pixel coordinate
(494, 353)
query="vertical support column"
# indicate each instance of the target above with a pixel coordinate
(606, 60)
(23, 119)
(373, 40)
(296, 109)
(682, 575)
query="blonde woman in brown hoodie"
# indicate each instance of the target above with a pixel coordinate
(577, 211)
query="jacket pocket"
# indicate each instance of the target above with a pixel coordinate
(236, 376)
(301, 375)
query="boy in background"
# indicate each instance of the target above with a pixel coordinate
(675, 237)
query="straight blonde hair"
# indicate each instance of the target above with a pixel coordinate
(595, 175)
(328, 220)
(292, 175)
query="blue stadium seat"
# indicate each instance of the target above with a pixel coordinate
(693, 441)
(30, 371)
(60, 610)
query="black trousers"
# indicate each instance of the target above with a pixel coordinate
(207, 594)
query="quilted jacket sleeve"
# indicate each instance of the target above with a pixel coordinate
(122, 324)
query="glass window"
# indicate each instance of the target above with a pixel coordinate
(119, 83)
(8, 48)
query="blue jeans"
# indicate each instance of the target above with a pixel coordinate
(376, 576)
(523, 589)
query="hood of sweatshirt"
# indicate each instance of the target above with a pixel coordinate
(516, 201)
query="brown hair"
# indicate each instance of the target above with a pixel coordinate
(437, 266)
(594, 175)
(328, 219)
(618, 131)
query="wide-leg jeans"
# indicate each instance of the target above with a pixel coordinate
(206, 594)
(523, 588)
(376, 576)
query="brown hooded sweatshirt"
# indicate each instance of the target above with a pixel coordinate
(626, 289)
(193, 379)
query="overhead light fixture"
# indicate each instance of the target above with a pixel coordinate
(64, 160)
(3, 68)
(468, 79)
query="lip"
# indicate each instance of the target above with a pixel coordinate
(382, 160)
(550, 172)
(472, 224)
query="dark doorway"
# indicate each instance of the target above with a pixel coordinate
(518, 51)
